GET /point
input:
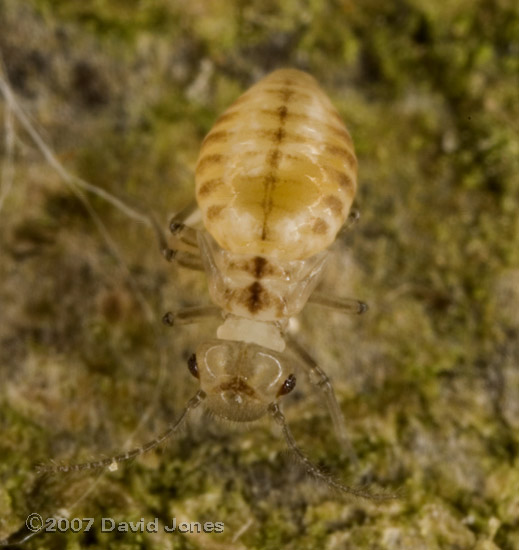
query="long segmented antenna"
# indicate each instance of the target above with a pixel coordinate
(112, 462)
(314, 471)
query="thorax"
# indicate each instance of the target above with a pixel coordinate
(255, 287)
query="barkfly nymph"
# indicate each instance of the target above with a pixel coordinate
(275, 180)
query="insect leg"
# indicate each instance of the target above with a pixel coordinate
(343, 305)
(181, 257)
(179, 228)
(319, 379)
(189, 315)
(351, 221)
(186, 259)
(189, 259)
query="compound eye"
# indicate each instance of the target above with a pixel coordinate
(192, 365)
(288, 385)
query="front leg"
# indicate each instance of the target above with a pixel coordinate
(190, 315)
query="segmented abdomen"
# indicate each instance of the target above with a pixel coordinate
(276, 175)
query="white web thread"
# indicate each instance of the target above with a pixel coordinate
(78, 186)
(7, 174)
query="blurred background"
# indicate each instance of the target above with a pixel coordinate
(121, 94)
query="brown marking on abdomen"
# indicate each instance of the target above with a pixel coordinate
(214, 211)
(282, 112)
(273, 158)
(335, 204)
(209, 160)
(248, 154)
(341, 132)
(280, 134)
(268, 184)
(342, 179)
(284, 94)
(313, 121)
(344, 154)
(320, 226)
(209, 186)
(220, 136)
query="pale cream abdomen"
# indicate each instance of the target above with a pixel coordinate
(276, 175)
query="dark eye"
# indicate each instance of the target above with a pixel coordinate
(288, 385)
(193, 366)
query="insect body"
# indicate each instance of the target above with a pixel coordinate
(275, 180)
